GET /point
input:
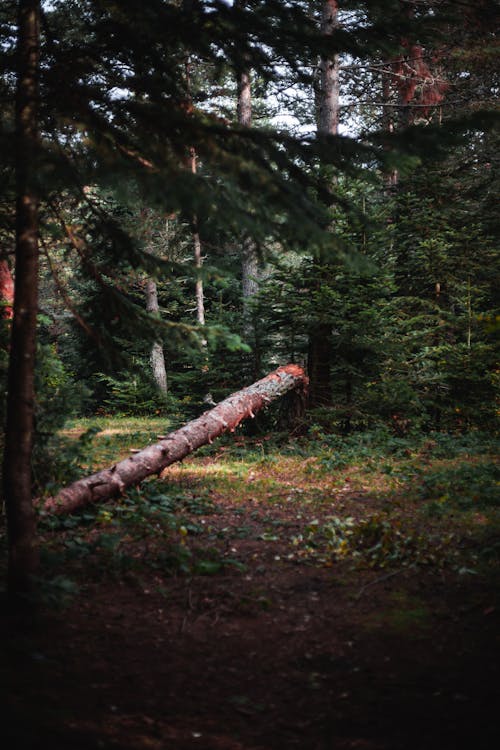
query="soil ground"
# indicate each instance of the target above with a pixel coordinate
(268, 642)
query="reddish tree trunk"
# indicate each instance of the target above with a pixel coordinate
(224, 417)
(6, 291)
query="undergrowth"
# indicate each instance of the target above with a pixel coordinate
(372, 501)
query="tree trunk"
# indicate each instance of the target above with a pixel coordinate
(244, 104)
(249, 254)
(197, 247)
(198, 263)
(21, 519)
(391, 178)
(320, 335)
(328, 120)
(157, 357)
(319, 365)
(152, 460)
(157, 360)
(250, 287)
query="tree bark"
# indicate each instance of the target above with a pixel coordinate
(224, 417)
(249, 287)
(157, 357)
(249, 254)
(198, 264)
(21, 519)
(244, 103)
(197, 246)
(328, 120)
(320, 335)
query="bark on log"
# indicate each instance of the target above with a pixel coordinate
(224, 417)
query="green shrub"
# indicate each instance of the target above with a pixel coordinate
(133, 395)
(466, 486)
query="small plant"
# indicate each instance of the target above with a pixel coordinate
(378, 541)
(324, 542)
(382, 542)
(465, 486)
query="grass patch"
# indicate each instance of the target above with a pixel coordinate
(371, 501)
(464, 485)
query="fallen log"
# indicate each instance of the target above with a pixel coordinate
(224, 417)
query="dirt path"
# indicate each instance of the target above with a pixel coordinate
(278, 651)
(284, 659)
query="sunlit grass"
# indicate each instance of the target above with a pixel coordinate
(117, 425)
(251, 470)
(389, 505)
(116, 436)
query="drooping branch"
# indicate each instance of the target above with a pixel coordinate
(224, 417)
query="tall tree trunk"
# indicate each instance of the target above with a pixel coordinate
(198, 257)
(197, 246)
(328, 120)
(249, 254)
(198, 264)
(249, 285)
(391, 178)
(320, 335)
(198, 260)
(224, 417)
(21, 520)
(157, 357)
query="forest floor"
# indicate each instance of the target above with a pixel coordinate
(316, 594)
